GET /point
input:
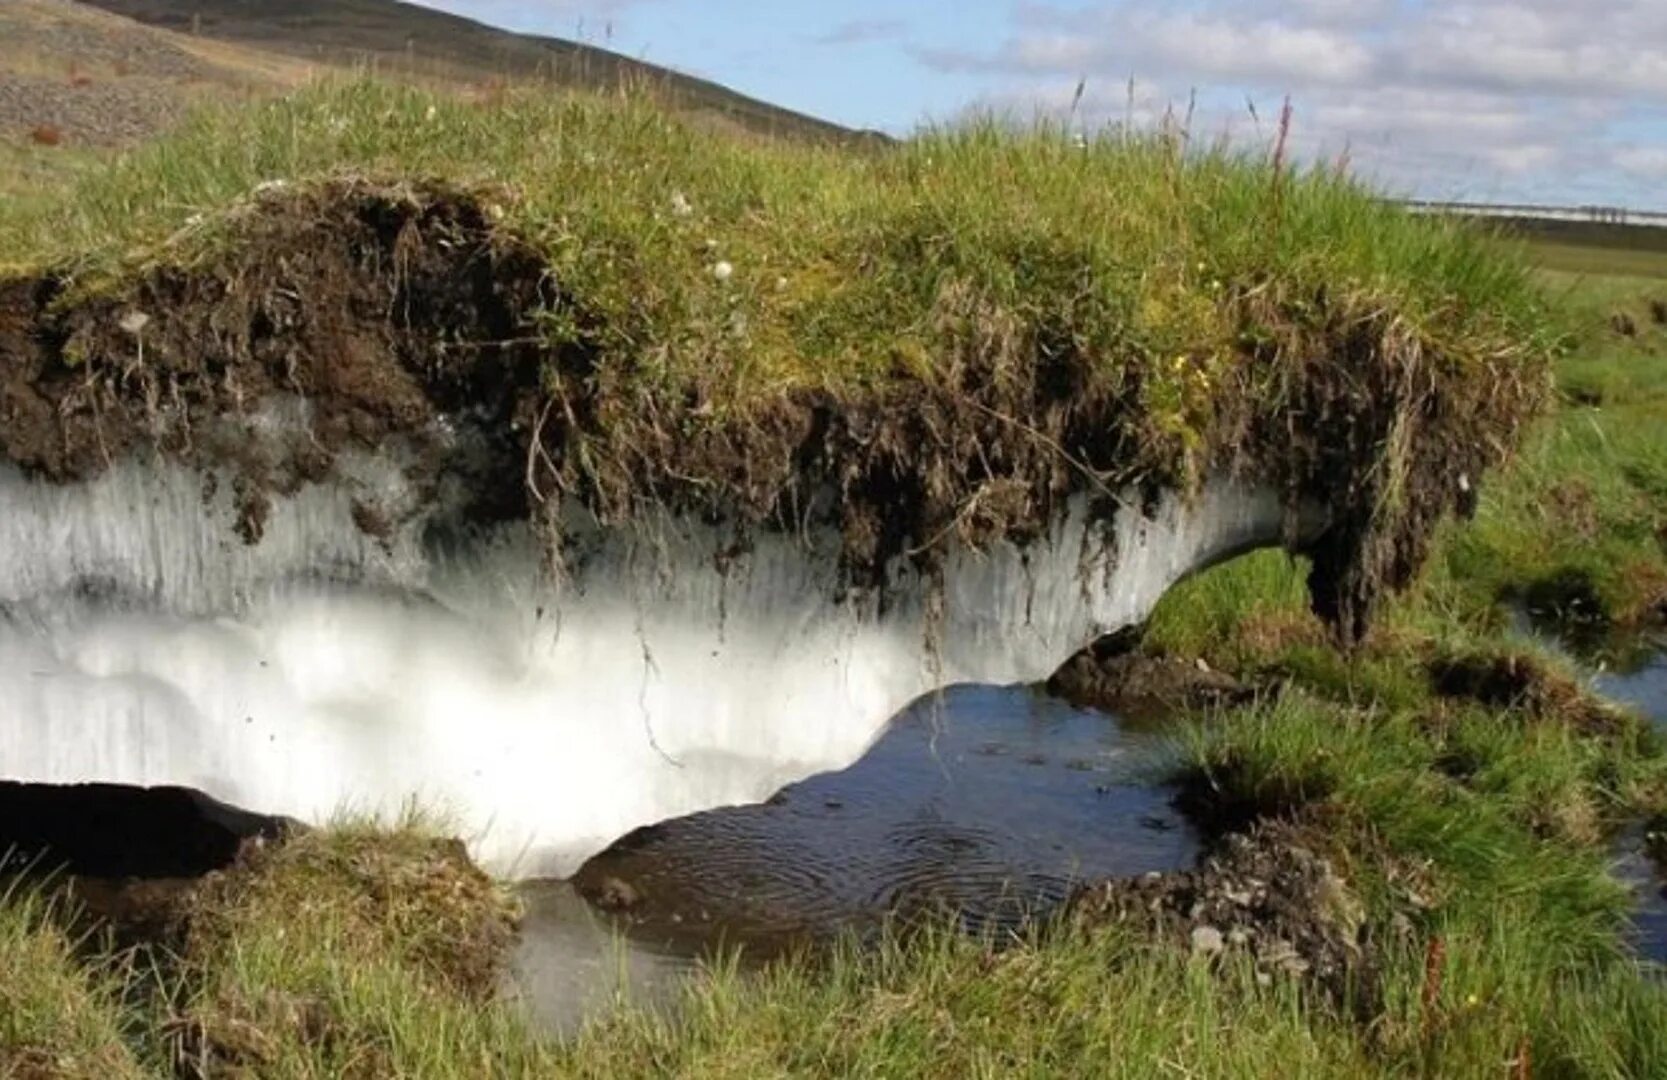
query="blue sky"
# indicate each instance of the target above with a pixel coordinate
(1561, 101)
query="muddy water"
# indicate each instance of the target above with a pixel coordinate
(989, 803)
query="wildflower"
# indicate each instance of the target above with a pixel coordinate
(680, 205)
(134, 322)
(431, 114)
(722, 270)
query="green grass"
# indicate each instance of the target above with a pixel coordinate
(1584, 501)
(59, 1016)
(352, 952)
(847, 267)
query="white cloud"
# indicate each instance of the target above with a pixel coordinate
(1649, 162)
(1430, 95)
(863, 31)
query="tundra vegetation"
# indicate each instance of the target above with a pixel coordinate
(1007, 319)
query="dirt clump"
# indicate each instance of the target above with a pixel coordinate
(1113, 674)
(1524, 684)
(1267, 893)
(356, 317)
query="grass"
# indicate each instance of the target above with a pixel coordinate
(59, 1016)
(353, 952)
(1127, 249)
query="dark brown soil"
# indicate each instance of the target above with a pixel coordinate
(1524, 683)
(1115, 677)
(1267, 893)
(383, 308)
(401, 315)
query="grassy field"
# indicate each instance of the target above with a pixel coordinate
(1468, 818)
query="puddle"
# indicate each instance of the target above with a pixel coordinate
(991, 804)
(572, 962)
(1640, 683)
(1638, 679)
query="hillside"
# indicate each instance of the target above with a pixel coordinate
(71, 75)
(406, 39)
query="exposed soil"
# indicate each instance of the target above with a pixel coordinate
(1267, 893)
(403, 317)
(1525, 683)
(1114, 675)
(383, 309)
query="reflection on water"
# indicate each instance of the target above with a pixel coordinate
(989, 803)
(1640, 681)
(1641, 684)
(572, 963)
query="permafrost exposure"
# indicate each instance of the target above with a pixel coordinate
(329, 519)
(320, 669)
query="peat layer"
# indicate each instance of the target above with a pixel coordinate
(404, 316)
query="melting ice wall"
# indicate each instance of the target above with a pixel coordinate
(142, 642)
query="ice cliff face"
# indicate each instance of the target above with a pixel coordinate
(321, 669)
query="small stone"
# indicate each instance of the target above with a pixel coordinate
(1203, 665)
(1206, 941)
(722, 270)
(1239, 897)
(616, 895)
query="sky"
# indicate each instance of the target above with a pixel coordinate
(1546, 101)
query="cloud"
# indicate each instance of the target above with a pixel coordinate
(862, 32)
(1427, 96)
(1649, 162)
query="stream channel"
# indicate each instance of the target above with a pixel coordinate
(987, 802)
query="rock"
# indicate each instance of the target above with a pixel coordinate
(612, 894)
(1267, 891)
(1207, 941)
(1113, 675)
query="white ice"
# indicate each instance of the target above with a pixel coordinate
(141, 642)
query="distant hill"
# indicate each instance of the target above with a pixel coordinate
(403, 38)
(77, 76)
